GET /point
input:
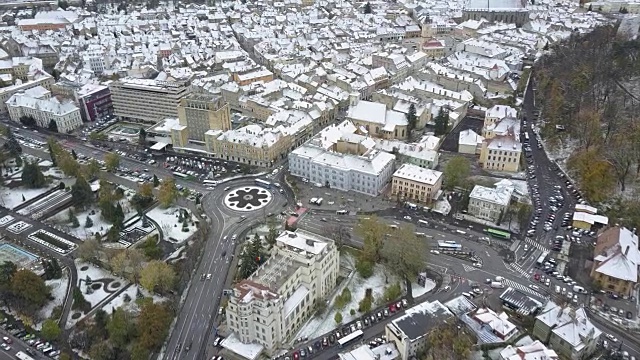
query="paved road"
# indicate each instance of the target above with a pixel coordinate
(195, 321)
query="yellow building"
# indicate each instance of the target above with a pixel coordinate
(201, 112)
(263, 75)
(416, 184)
(615, 264)
(252, 145)
(501, 153)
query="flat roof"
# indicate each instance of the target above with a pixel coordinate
(159, 146)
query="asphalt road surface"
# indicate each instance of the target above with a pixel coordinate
(195, 321)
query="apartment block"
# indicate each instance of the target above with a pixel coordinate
(145, 100)
(201, 112)
(95, 102)
(39, 104)
(416, 184)
(252, 145)
(409, 332)
(490, 204)
(271, 305)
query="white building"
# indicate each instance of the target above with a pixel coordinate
(367, 174)
(386, 351)
(490, 203)
(146, 100)
(38, 103)
(409, 332)
(271, 305)
(414, 183)
(534, 351)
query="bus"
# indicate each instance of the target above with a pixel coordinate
(210, 182)
(500, 234)
(541, 259)
(22, 356)
(180, 175)
(263, 183)
(449, 246)
(346, 340)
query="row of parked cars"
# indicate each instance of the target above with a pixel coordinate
(332, 338)
(36, 344)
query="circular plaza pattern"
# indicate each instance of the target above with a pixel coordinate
(247, 198)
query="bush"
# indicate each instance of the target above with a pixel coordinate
(392, 292)
(343, 299)
(364, 268)
(365, 304)
(338, 318)
(352, 312)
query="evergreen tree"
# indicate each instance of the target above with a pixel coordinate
(53, 126)
(156, 181)
(75, 223)
(367, 8)
(88, 222)
(73, 153)
(81, 193)
(12, 145)
(142, 137)
(411, 118)
(32, 176)
(442, 122)
(23, 199)
(590, 8)
(52, 155)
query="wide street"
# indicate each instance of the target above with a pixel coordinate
(194, 328)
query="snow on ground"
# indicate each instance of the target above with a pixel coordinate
(132, 291)
(95, 296)
(81, 232)
(58, 292)
(167, 219)
(377, 282)
(56, 173)
(417, 290)
(10, 198)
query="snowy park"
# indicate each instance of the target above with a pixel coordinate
(173, 225)
(381, 279)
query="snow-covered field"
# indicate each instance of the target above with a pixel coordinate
(81, 232)
(167, 219)
(58, 292)
(132, 292)
(380, 279)
(11, 198)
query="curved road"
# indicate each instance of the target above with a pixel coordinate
(195, 320)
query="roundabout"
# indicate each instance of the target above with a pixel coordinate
(247, 198)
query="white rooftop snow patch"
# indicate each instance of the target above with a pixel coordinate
(246, 351)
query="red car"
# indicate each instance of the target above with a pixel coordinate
(392, 308)
(537, 277)
(296, 356)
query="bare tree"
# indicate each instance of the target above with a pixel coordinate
(620, 154)
(339, 233)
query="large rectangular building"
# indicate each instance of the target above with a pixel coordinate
(95, 102)
(413, 183)
(201, 112)
(43, 109)
(146, 100)
(269, 307)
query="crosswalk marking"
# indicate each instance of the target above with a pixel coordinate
(517, 268)
(522, 288)
(535, 244)
(468, 268)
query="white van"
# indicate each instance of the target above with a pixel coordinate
(319, 201)
(497, 285)
(313, 200)
(579, 289)
(499, 278)
(558, 289)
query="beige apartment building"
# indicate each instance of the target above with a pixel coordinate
(615, 262)
(146, 100)
(416, 184)
(252, 145)
(269, 307)
(199, 113)
(34, 79)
